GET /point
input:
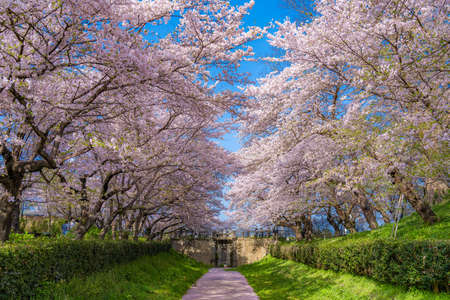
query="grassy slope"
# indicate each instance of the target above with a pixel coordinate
(410, 228)
(273, 278)
(163, 276)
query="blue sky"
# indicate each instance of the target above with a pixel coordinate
(262, 13)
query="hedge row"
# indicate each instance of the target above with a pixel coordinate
(26, 267)
(423, 264)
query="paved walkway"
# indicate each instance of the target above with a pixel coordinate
(219, 284)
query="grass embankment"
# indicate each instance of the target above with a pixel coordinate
(409, 228)
(273, 278)
(167, 275)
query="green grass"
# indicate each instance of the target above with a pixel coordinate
(163, 276)
(273, 278)
(410, 228)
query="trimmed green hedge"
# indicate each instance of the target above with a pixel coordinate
(424, 264)
(26, 267)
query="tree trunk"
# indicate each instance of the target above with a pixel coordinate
(137, 226)
(109, 220)
(109, 225)
(307, 229)
(8, 203)
(81, 229)
(370, 217)
(15, 218)
(297, 228)
(124, 235)
(85, 223)
(367, 209)
(151, 236)
(119, 226)
(435, 190)
(346, 218)
(333, 222)
(114, 230)
(297, 232)
(6, 211)
(420, 205)
(104, 231)
(385, 215)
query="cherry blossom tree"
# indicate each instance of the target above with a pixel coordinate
(357, 116)
(68, 66)
(135, 172)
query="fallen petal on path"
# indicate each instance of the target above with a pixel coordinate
(219, 284)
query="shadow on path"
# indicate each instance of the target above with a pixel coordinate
(219, 284)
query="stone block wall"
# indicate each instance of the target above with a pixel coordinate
(250, 250)
(218, 252)
(200, 250)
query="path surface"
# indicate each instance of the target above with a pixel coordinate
(219, 284)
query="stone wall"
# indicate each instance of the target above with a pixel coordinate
(218, 252)
(250, 250)
(200, 250)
